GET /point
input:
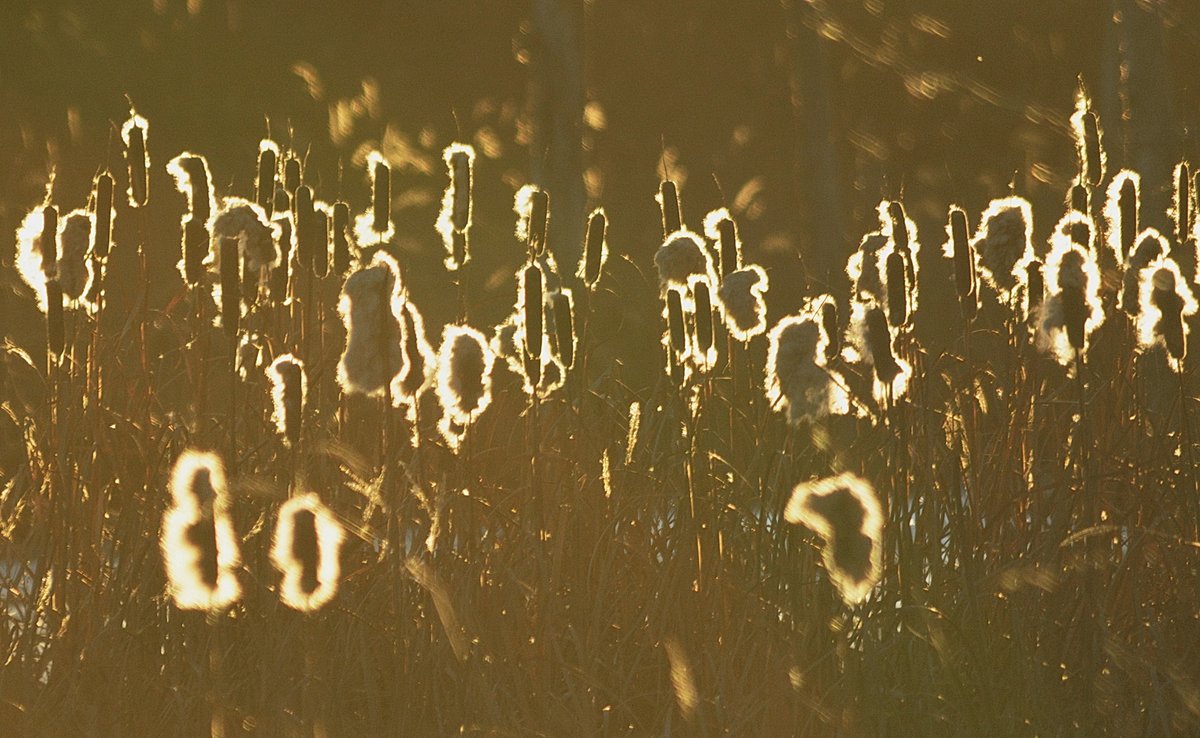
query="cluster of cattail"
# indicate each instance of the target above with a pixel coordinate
(844, 510)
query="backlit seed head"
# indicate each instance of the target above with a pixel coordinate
(798, 382)
(743, 302)
(190, 172)
(454, 219)
(532, 207)
(1167, 303)
(376, 227)
(1087, 133)
(595, 249)
(370, 303)
(721, 229)
(74, 262)
(1122, 206)
(867, 267)
(1181, 202)
(682, 255)
(1150, 245)
(958, 249)
(102, 208)
(1004, 245)
(870, 341)
(289, 392)
(256, 235)
(1072, 309)
(464, 385)
(668, 202)
(563, 318)
(37, 260)
(134, 132)
(306, 549)
(199, 545)
(268, 175)
(845, 511)
(420, 361)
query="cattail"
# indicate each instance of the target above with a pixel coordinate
(1150, 246)
(531, 303)
(137, 158)
(292, 174)
(1004, 244)
(1087, 133)
(1072, 310)
(897, 292)
(231, 286)
(539, 221)
(830, 331)
(454, 219)
(964, 262)
(701, 291)
(668, 202)
(370, 300)
(252, 357)
(74, 267)
(523, 207)
(289, 390)
(564, 327)
(1035, 287)
(869, 342)
(743, 303)
(595, 250)
(191, 176)
(420, 363)
(268, 173)
(306, 550)
(48, 244)
(341, 238)
(320, 254)
(1181, 208)
(867, 267)
(675, 324)
(304, 225)
(899, 223)
(798, 381)
(681, 256)
(199, 545)
(241, 232)
(1121, 208)
(721, 230)
(102, 202)
(376, 227)
(464, 386)
(281, 272)
(879, 341)
(1167, 303)
(845, 511)
(508, 343)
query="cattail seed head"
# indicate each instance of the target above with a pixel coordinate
(102, 204)
(845, 511)
(268, 175)
(799, 382)
(74, 265)
(464, 385)
(675, 324)
(190, 173)
(721, 229)
(867, 267)
(742, 297)
(1004, 245)
(899, 221)
(1072, 309)
(304, 226)
(1087, 133)
(137, 158)
(376, 227)
(870, 342)
(897, 292)
(454, 219)
(306, 550)
(595, 250)
(681, 256)
(1121, 208)
(321, 227)
(289, 390)
(531, 289)
(37, 263)
(199, 545)
(231, 286)
(564, 327)
(1150, 246)
(341, 238)
(1181, 206)
(1035, 288)
(281, 272)
(830, 332)
(420, 362)
(701, 293)
(668, 202)
(293, 174)
(1167, 303)
(370, 301)
(963, 257)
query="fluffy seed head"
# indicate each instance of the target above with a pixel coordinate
(190, 173)
(199, 545)
(243, 220)
(1167, 303)
(1150, 245)
(1004, 245)
(682, 255)
(721, 229)
(845, 511)
(870, 342)
(420, 362)
(743, 304)
(454, 219)
(1072, 309)
(37, 262)
(306, 550)
(1121, 208)
(371, 299)
(289, 392)
(799, 383)
(464, 385)
(376, 227)
(532, 207)
(74, 265)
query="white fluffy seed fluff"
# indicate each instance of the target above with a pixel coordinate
(464, 381)
(307, 584)
(798, 382)
(743, 304)
(682, 255)
(245, 221)
(74, 262)
(523, 208)
(1070, 270)
(1163, 275)
(1003, 245)
(857, 350)
(199, 545)
(454, 219)
(370, 305)
(867, 267)
(30, 265)
(845, 511)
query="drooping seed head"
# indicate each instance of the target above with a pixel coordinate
(1072, 309)
(845, 511)
(798, 381)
